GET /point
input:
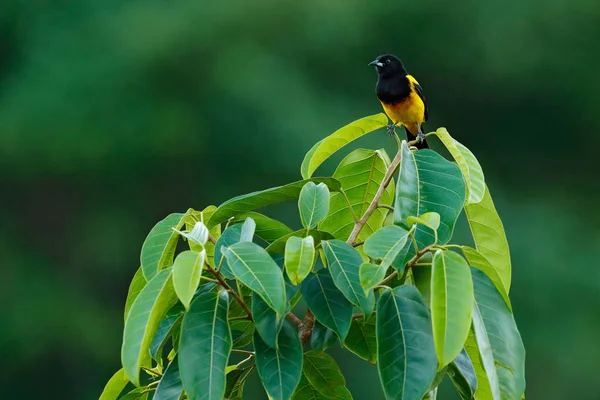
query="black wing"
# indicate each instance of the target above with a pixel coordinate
(419, 91)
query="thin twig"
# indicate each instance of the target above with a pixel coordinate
(208, 279)
(151, 372)
(250, 357)
(389, 174)
(222, 282)
(241, 318)
(359, 315)
(409, 264)
(212, 239)
(356, 244)
(385, 206)
(243, 351)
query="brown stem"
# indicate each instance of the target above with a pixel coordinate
(212, 239)
(389, 174)
(222, 282)
(297, 321)
(306, 327)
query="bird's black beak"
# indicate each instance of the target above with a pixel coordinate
(376, 63)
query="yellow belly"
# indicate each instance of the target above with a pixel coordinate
(408, 112)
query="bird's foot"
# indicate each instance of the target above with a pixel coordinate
(421, 137)
(391, 129)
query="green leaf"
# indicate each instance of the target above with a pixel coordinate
(254, 200)
(266, 321)
(322, 337)
(322, 372)
(328, 304)
(422, 280)
(477, 260)
(468, 164)
(487, 384)
(430, 220)
(431, 395)
(241, 332)
(248, 228)
(313, 204)
(439, 377)
(236, 380)
(267, 229)
(204, 347)
(280, 369)
(187, 270)
(388, 245)
(159, 247)
(489, 236)
(305, 391)
(137, 284)
(451, 304)
(361, 339)
(429, 183)
(344, 264)
(370, 275)
(230, 236)
(165, 329)
(140, 393)
(498, 340)
(360, 173)
(407, 187)
(278, 246)
(253, 266)
(406, 357)
(462, 375)
(148, 309)
(299, 258)
(170, 386)
(115, 386)
(340, 138)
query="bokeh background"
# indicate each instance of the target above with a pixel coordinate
(115, 113)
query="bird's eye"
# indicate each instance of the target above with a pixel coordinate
(388, 61)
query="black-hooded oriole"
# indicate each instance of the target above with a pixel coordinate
(401, 96)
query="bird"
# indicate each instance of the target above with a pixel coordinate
(402, 97)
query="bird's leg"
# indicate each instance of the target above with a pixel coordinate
(391, 129)
(421, 135)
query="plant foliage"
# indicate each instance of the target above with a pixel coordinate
(372, 265)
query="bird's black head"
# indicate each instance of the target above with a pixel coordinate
(388, 65)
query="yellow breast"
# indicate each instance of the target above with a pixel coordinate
(406, 112)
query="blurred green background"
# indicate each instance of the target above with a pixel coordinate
(114, 114)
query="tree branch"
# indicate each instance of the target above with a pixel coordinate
(222, 282)
(389, 174)
(297, 321)
(306, 327)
